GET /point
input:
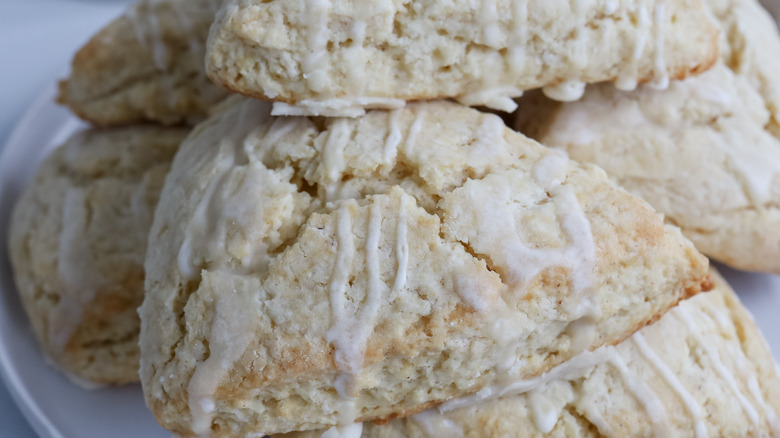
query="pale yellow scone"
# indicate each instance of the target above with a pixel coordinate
(307, 272)
(146, 65)
(703, 370)
(339, 57)
(705, 152)
(77, 243)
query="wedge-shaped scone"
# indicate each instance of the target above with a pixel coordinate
(702, 370)
(705, 152)
(338, 57)
(307, 272)
(146, 65)
(77, 243)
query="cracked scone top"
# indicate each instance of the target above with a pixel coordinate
(703, 370)
(146, 65)
(338, 57)
(705, 152)
(77, 244)
(307, 272)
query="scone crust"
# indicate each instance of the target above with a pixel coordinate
(77, 242)
(267, 225)
(706, 152)
(488, 52)
(146, 65)
(703, 367)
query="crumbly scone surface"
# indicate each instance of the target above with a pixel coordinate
(336, 58)
(705, 152)
(78, 240)
(304, 272)
(146, 65)
(703, 369)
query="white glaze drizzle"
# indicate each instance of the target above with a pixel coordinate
(231, 333)
(518, 37)
(543, 414)
(199, 233)
(333, 157)
(567, 91)
(496, 230)
(402, 247)
(393, 138)
(349, 333)
(693, 408)
(751, 380)
(581, 53)
(627, 79)
(353, 107)
(660, 76)
(610, 7)
(499, 98)
(642, 393)
(354, 56)
(595, 417)
(147, 31)
(337, 335)
(280, 127)
(74, 261)
(414, 130)
(354, 430)
(181, 9)
(682, 313)
(564, 371)
(758, 170)
(437, 425)
(314, 64)
(550, 173)
(491, 35)
(487, 93)
(201, 222)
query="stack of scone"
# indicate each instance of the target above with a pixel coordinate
(350, 250)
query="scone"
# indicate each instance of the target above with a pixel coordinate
(146, 65)
(705, 152)
(307, 272)
(338, 57)
(702, 370)
(77, 243)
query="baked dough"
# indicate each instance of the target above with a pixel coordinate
(146, 65)
(705, 152)
(307, 272)
(339, 57)
(77, 244)
(703, 369)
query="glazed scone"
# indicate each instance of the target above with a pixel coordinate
(146, 65)
(703, 369)
(306, 272)
(339, 57)
(77, 244)
(705, 152)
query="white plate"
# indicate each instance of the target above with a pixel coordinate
(57, 408)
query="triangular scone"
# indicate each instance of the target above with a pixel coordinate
(338, 57)
(702, 370)
(77, 245)
(705, 152)
(306, 272)
(146, 65)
